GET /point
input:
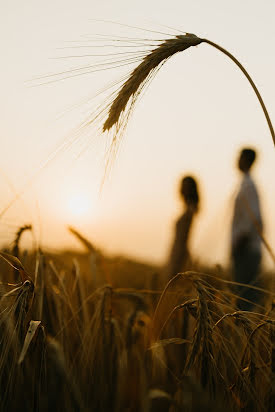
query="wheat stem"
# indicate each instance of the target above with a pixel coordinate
(250, 81)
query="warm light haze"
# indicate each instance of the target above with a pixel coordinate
(193, 118)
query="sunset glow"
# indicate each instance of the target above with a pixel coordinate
(79, 206)
(137, 205)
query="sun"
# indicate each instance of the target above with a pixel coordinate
(79, 205)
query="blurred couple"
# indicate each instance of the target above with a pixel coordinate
(246, 231)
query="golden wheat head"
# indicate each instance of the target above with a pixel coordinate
(133, 86)
(153, 61)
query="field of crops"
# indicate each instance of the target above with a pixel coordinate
(85, 331)
(90, 333)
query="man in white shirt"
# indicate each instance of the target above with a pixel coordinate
(246, 234)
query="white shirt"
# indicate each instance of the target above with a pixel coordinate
(247, 220)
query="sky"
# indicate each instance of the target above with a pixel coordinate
(194, 117)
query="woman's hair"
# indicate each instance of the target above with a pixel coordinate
(189, 191)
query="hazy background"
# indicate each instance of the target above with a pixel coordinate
(194, 117)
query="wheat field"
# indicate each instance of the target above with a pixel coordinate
(83, 332)
(88, 332)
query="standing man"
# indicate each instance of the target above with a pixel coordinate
(246, 233)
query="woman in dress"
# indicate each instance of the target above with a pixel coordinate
(179, 255)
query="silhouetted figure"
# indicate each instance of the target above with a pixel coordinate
(245, 236)
(180, 254)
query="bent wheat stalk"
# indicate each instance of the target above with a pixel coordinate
(134, 85)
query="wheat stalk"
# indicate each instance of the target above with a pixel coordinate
(133, 86)
(139, 75)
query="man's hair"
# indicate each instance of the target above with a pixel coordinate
(249, 155)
